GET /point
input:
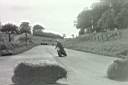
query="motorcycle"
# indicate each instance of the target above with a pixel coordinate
(61, 52)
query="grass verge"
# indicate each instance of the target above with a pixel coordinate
(24, 48)
(101, 43)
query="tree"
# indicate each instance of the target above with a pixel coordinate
(104, 15)
(97, 10)
(37, 28)
(84, 19)
(114, 17)
(25, 28)
(107, 21)
(87, 19)
(117, 5)
(9, 29)
(121, 19)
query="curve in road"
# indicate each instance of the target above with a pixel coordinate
(83, 68)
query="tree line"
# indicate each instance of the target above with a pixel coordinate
(12, 29)
(104, 15)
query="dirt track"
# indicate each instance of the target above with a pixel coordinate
(83, 68)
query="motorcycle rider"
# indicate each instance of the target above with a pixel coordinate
(60, 49)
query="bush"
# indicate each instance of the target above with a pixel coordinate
(38, 74)
(8, 45)
(118, 70)
(3, 47)
(6, 49)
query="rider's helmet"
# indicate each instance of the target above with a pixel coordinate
(57, 40)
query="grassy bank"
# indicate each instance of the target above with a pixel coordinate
(18, 45)
(23, 48)
(112, 43)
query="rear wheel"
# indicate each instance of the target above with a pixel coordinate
(59, 54)
(63, 53)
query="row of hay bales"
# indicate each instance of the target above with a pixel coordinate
(38, 73)
(103, 36)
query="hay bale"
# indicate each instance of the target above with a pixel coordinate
(118, 70)
(38, 74)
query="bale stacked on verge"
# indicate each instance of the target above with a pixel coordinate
(38, 74)
(118, 70)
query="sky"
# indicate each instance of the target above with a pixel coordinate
(55, 15)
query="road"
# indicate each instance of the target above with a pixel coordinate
(83, 68)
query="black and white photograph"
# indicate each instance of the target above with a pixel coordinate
(63, 42)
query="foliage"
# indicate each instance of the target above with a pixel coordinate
(84, 21)
(3, 47)
(122, 18)
(25, 28)
(97, 10)
(106, 22)
(37, 28)
(104, 15)
(9, 29)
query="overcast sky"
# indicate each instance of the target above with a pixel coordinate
(54, 15)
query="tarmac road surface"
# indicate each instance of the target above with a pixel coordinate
(83, 68)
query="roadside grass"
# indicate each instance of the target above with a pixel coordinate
(35, 41)
(23, 48)
(19, 45)
(115, 46)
